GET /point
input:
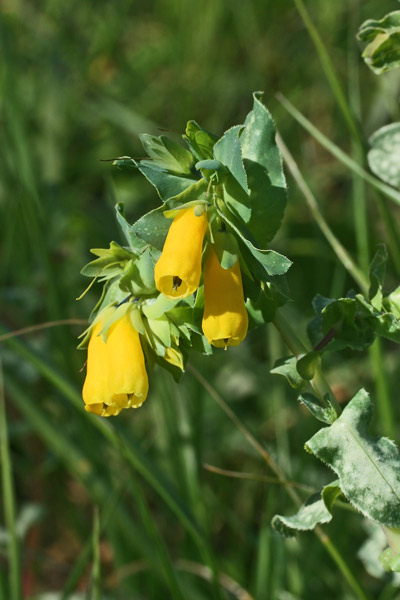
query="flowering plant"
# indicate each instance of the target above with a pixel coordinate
(197, 273)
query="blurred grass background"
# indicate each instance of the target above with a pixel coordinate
(79, 82)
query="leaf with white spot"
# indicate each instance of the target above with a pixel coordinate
(384, 156)
(368, 468)
(317, 509)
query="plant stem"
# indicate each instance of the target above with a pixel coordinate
(322, 536)
(341, 564)
(329, 70)
(297, 348)
(9, 500)
(336, 245)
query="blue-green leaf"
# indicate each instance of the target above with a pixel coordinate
(287, 368)
(167, 154)
(368, 468)
(326, 414)
(166, 184)
(199, 140)
(383, 42)
(384, 156)
(317, 509)
(265, 177)
(377, 272)
(227, 151)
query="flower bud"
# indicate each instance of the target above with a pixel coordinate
(178, 270)
(225, 319)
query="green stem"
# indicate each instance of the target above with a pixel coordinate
(329, 70)
(341, 564)
(96, 569)
(384, 403)
(319, 384)
(335, 244)
(9, 500)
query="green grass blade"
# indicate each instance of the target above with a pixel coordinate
(344, 158)
(134, 456)
(9, 501)
(335, 244)
(329, 70)
(96, 568)
(148, 521)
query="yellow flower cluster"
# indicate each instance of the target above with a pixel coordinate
(178, 272)
(116, 375)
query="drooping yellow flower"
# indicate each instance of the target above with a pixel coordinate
(225, 319)
(116, 374)
(178, 270)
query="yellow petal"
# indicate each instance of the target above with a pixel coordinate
(127, 376)
(102, 410)
(225, 319)
(178, 270)
(95, 389)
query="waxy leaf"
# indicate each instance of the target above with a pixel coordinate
(262, 309)
(226, 248)
(199, 140)
(384, 156)
(152, 229)
(368, 468)
(262, 263)
(377, 272)
(317, 509)
(287, 368)
(166, 154)
(196, 193)
(228, 152)
(265, 177)
(166, 184)
(383, 38)
(326, 414)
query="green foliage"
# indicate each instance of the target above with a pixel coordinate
(384, 155)
(316, 510)
(382, 52)
(368, 468)
(287, 367)
(326, 414)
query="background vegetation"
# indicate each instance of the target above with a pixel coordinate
(79, 82)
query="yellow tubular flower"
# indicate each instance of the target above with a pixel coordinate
(127, 375)
(116, 376)
(178, 270)
(225, 319)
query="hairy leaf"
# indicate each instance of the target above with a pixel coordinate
(287, 368)
(317, 509)
(384, 156)
(227, 150)
(368, 468)
(383, 42)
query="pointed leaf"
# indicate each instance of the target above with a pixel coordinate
(384, 156)
(317, 509)
(287, 367)
(383, 50)
(325, 414)
(368, 468)
(227, 151)
(167, 154)
(377, 272)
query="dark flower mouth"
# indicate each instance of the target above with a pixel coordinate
(176, 282)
